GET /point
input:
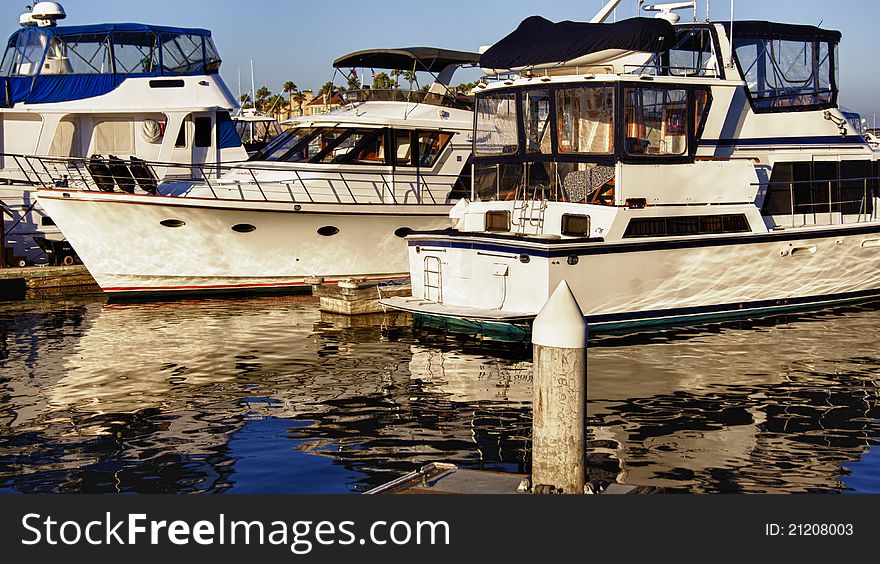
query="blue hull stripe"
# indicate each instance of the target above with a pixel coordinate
(679, 316)
(760, 141)
(599, 248)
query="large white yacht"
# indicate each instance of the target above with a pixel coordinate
(127, 90)
(667, 172)
(332, 198)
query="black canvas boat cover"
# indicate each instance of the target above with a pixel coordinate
(771, 30)
(538, 41)
(426, 59)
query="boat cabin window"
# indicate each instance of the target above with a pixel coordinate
(787, 75)
(107, 49)
(498, 220)
(202, 137)
(692, 55)
(430, 144)
(335, 145)
(585, 120)
(656, 121)
(135, 52)
(24, 52)
(181, 53)
(575, 225)
(536, 121)
(810, 188)
(496, 127)
(64, 142)
(113, 136)
(686, 225)
(78, 54)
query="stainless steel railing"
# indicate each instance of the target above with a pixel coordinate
(244, 181)
(867, 211)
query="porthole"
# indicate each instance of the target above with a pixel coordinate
(172, 223)
(572, 260)
(328, 231)
(243, 228)
(402, 232)
(525, 259)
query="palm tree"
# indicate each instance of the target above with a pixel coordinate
(262, 94)
(328, 88)
(382, 81)
(289, 88)
(245, 100)
(410, 76)
(354, 83)
(395, 78)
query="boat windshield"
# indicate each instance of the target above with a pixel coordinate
(331, 145)
(257, 131)
(562, 141)
(122, 49)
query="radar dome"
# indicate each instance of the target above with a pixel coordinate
(47, 13)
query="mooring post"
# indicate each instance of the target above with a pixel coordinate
(559, 341)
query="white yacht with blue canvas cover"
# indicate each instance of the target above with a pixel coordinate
(331, 199)
(141, 93)
(668, 172)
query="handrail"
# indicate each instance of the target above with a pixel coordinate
(243, 181)
(815, 208)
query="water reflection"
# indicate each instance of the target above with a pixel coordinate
(269, 395)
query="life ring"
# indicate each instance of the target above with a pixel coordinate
(68, 260)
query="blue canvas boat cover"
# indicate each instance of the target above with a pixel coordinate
(197, 56)
(538, 41)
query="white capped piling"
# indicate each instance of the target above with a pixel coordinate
(559, 341)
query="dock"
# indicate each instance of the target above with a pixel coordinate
(444, 478)
(354, 297)
(46, 281)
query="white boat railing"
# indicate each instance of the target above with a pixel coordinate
(243, 181)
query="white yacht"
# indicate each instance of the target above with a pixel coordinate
(332, 198)
(151, 93)
(667, 172)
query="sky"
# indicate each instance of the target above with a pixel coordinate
(297, 40)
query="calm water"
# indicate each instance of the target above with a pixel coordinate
(269, 395)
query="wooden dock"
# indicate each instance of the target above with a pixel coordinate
(46, 281)
(444, 478)
(356, 298)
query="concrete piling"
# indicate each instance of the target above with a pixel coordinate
(559, 340)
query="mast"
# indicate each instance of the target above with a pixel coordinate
(606, 11)
(253, 89)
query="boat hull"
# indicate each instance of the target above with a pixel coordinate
(152, 245)
(631, 284)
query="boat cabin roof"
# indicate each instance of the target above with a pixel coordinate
(430, 59)
(781, 31)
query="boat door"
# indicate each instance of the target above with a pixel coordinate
(204, 148)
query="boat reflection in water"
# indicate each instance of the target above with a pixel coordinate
(269, 395)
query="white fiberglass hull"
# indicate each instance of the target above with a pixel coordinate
(638, 282)
(122, 241)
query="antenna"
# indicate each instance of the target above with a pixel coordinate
(708, 10)
(730, 61)
(666, 10)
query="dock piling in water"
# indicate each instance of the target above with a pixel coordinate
(559, 341)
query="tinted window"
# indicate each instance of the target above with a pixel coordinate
(686, 225)
(203, 132)
(656, 121)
